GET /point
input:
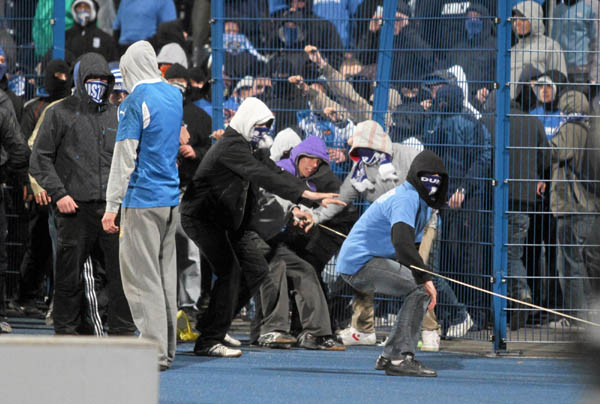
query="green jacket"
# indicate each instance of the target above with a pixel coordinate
(42, 29)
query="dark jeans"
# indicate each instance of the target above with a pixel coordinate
(37, 260)
(386, 276)
(226, 252)
(3, 255)
(77, 234)
(518, 227)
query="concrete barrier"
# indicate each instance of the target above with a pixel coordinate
(82, 370)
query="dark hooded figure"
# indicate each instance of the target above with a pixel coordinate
(169, 32)
(57, 83)
(524, 95)
(412, 55)
(71, 160)
(6, 94)
(381, 248)
(84, 36)
(476, 53)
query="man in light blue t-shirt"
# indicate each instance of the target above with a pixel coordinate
(144, 181)
(378, 254)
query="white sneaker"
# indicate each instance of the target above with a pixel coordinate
(351, 336)
(5, 327)
(229, 340)
(563, 323)
(461, 329)
(219, 350)
(431, 341)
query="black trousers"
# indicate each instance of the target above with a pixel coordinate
(237, 259)
(37, 260)
(77, 234)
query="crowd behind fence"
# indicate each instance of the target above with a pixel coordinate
(505, 92)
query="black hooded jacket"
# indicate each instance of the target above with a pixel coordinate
(15, 100)
(73, 149)
(56, 90)
(403, 235)
(80, 40)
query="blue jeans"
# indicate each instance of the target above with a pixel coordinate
(518, 226)
(386, 276)
(573, 234)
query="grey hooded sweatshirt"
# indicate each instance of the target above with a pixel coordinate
(369, 134)
(535, 49)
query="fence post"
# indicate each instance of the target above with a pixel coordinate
(217, 84)
(501, 159)
(58, 30)
(384, 62)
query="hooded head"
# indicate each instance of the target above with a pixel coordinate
(477, 26)
(93, 65)
(449, 98)
(84, 12)
(315, 151)
(139, 64)
(574, 102)
(524, 94)
(56, 71)
(529, 11)
(370, 135)
(547, 88)
(170, 54)
(283, 144)
(252, 112)
(422, 168)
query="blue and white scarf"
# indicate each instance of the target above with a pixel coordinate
(96, 90)
(368, 157)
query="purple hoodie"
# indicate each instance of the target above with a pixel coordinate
(312, 146)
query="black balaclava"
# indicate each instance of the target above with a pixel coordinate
(427, 163)
(198, 74)
(55, 87)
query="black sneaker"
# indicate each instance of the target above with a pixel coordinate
(409, 366)
(326, 343)
(382, 363)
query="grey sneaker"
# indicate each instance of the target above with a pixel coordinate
(219, 350)
(409, 366)
(276, 339)
(5, 328)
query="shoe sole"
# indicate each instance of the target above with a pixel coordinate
(337, 348)
(428, 349)
(388, 373)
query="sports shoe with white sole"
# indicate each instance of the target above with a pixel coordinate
(351, 336)
(431, 341)
(461, 329)
(229, 340)
(219, 350)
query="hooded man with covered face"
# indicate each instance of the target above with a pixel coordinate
(144, 182)
(217, 207)
(71, 160)
(372, 261)
(85, 37)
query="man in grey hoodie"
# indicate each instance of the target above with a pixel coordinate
(533, 47)
(144, 181)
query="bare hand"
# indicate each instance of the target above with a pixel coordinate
(432, 293)
(426, 104)
(27, 197)
(336, 155)
(42, 198)
(108, 222)
(303, 219)
(540, 188)
(184, 135)
(456, 200)
(314, 55)
(375, 24)
(298, 81)
(66, 205)
(217, 134)
(331, 114)
(325, 197)
(187, 151)
(482, 95)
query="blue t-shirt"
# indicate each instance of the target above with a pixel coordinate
(139, 19)
(551, 120)
(371, 235)
(152, 114)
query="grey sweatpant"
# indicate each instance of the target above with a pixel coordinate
(149, 273)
